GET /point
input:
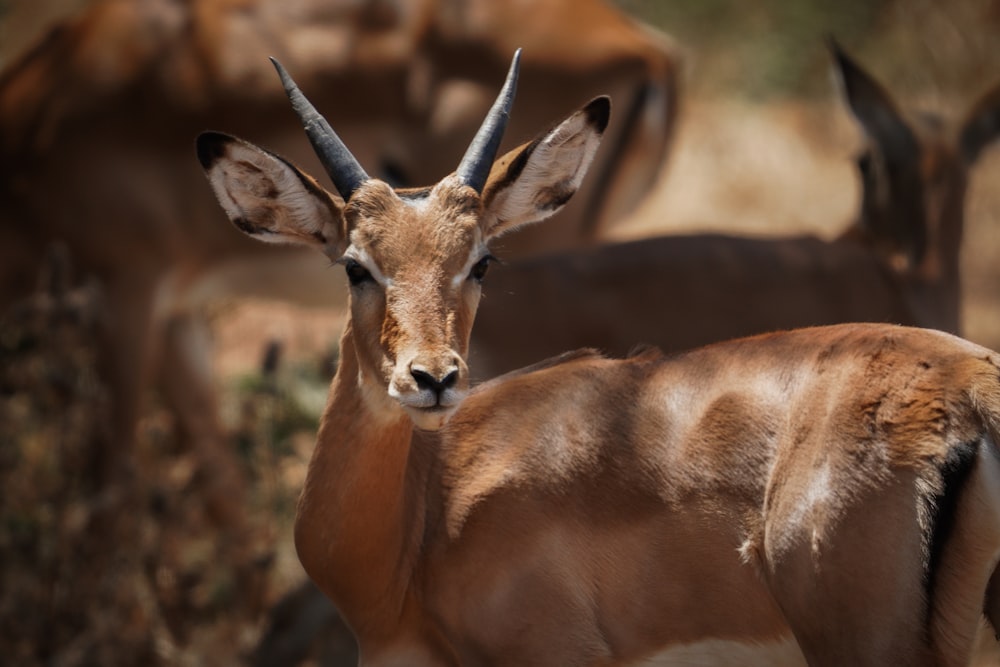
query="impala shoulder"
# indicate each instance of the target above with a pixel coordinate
(557, 416)
(546, 388)
(564, 359)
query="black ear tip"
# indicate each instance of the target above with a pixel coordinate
(210, 146)
(832, 45)
(840, 57)
(598, 112)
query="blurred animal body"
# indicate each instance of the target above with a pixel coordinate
(828, 496)
(107, 105)
(898, 262)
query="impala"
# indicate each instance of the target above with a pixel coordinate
(104, 108)
(897, 262)
(825, 495)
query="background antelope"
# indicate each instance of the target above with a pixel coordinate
(898, 262)
(827, 495)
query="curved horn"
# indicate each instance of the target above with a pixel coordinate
(478, 160)
(344, 170)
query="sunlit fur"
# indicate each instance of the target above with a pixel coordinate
(838, 486)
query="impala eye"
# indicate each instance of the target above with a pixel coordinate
(356, 274)
(479, 270)
(865, 164)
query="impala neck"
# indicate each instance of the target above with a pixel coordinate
(361, 514)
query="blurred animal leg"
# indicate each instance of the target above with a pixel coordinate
(188, 386)
(126, 347)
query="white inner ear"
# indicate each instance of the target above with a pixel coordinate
(558, 164)
(257, 187)
(221, 179)
(302, 209)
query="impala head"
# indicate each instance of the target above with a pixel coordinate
(913, 174)
(415, 259)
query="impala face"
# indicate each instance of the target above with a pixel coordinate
(415, 264)
(415, 258)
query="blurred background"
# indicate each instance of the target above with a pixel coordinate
(176, 567)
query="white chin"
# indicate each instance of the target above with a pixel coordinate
(430, 419)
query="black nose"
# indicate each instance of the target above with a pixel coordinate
(427, 381)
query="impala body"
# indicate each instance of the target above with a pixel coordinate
(105, 107)
(827, 495)
(898, 262)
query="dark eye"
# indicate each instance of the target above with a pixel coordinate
(865, 164)
(478, 271)
(356, 274)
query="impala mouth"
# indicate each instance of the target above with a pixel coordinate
(430, 411)
(431, 418)
(428, 407)
(433, 410)
(427, 400)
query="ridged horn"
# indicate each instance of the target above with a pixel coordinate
(478, 160)
(344, 169)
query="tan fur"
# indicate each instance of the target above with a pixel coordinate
(837, 486)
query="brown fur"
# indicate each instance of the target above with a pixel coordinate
(897, 262)
(736, 498)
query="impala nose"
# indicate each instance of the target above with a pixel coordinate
(437, 383)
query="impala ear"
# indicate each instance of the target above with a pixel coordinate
(892, 208)
(874, 109)
(532, 182)
(981, 126)
(269, 198)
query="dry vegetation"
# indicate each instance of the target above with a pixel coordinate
(133, 573)
(141, 575)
